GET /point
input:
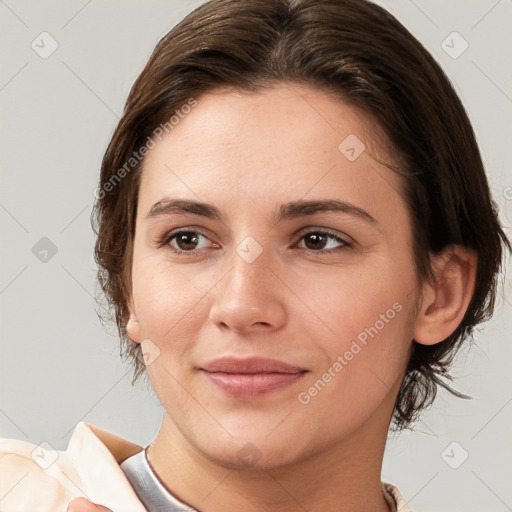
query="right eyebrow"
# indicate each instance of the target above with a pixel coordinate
(168, 206)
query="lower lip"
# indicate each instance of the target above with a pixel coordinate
(247, 385)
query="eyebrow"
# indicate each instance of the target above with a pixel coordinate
(290, 210)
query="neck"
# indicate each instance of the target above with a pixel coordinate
(344, 477)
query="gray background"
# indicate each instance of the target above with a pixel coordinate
(59, 366)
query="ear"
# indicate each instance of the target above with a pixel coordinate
(132, 326)
(444, 303)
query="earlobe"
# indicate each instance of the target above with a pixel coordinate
(445, 302)
(132, 325)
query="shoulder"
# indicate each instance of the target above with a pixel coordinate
(38, 477)
(31, 475)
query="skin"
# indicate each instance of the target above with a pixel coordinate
(247, 154)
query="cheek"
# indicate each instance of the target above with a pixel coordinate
(170, 311)
(370, 318)
(365, 368)
(166, 298)
(172, 306)
(368, 300)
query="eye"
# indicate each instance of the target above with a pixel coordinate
(190, 242)
(185, 241)
(323, 242)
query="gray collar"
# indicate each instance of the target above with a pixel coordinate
(151, 492)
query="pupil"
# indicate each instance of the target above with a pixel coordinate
(187, 239)
(320, 241)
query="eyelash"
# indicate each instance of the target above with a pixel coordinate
(169, 237)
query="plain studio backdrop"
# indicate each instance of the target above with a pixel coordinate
(66, 69)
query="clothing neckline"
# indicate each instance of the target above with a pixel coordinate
(148, 486)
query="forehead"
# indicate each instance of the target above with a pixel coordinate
(291, 111)
(289, 140)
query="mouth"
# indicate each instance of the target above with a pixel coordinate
(251, 377)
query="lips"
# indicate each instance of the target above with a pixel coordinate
(250, 377)
(249, 365)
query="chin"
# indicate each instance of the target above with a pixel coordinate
(260, 454)
(250, 458)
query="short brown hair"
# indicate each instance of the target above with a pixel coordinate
(358, 51)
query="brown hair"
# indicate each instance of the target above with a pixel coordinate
(360, 52)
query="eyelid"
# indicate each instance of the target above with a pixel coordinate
(319, 229)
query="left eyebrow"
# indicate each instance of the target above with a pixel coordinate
(302, 208)
(288, 210)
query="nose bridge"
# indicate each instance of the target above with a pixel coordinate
(250, 293)
(249, 275)
(250, 272)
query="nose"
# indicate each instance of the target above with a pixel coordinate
(250, 297)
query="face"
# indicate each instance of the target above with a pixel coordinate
(273, 284)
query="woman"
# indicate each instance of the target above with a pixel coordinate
(296, 234)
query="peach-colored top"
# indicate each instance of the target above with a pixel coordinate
(35, 479)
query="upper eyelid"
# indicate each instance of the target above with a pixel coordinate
(330, 232)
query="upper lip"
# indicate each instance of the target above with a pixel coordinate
(249, 365)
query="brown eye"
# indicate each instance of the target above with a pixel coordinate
(183, 242)
(186, 241)
(315, 241)
(323, 242)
